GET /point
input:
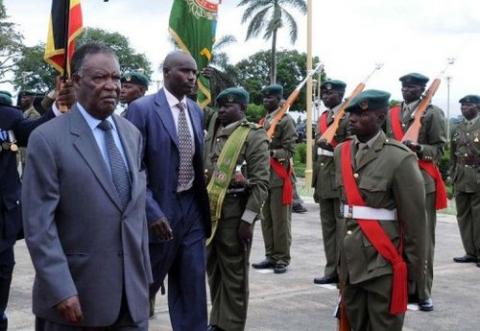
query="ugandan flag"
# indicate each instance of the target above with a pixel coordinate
(62, 20)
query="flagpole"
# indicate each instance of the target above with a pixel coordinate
(308, 170)
(66, 26)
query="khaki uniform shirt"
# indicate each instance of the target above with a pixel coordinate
(465, 156)
(388, 177)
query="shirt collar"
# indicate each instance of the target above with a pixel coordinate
(370, 142)
(173, 101)
(92, 121)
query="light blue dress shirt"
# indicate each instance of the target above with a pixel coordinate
(99, 135)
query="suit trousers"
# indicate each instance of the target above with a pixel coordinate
(183, 259)
(6, 269)
(124, 322)
(368, 305)
(331, 223)
(276, 227)
(468, 216)
(227, 267)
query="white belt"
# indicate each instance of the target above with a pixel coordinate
(368, 213)
(321, 151)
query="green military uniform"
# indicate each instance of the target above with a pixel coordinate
(228, 257)
(323, 182)
(432, 139)
(465, 172)
(136, 78)
(388, 178)
(276, 221)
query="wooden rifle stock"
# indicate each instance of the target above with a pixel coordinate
(414, 129)
(289, 102)
(329, 134)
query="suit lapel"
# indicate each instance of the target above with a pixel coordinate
(196, 125)
(165, 114)
(85, 143)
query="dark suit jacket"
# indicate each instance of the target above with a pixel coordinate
(10, 213)
(152, 116)
(82, 242)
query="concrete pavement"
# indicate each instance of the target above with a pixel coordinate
(291, 302)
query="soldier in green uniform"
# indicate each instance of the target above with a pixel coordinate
(25, 102)
(323, 181)
(383, 206)
(134, 86)
(277, 211)
(236, 167)
(465, 171)
(429, 148)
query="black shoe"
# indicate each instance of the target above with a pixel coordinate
(214, 328)
(325, 280)
(280, 268)
(265, 264)
(465, 259)
(478, 264)
(425, 305)
(412, 298)
(299, 208)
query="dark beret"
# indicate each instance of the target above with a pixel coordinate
(233, 95)
(136, 78)
(333, 84)
(369, 100)
(471, 98)
(414, 79)
(273, 89)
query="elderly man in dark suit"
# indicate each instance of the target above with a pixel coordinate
(177, 202)
(84, 209)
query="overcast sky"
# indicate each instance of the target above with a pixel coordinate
(349, 36)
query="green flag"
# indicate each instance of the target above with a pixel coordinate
(192, 25)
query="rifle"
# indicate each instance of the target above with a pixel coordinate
(290, 100)
(414, 129)
(329, 134)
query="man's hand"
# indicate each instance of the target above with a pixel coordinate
(70, 309)
(65, 94)
(207, 72)
(322, 143)
(161, 228)
(245, 233)
(239, 178)
(413, 146)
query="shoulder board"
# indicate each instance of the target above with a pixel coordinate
(251, 125)
(392, 142)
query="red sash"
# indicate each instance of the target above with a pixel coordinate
(323, 126)
(279, 169)
(376, 235)
(429, 167)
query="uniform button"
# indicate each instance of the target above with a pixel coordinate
(468, 133)
(218, 139)
(465, 155)
(355, 175)
(322, 164)
(386, 140)
(349, 232)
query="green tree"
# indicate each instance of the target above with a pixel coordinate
(252, 74)
(32, 72)
(10, 44)
(129, 59)
(269, 16)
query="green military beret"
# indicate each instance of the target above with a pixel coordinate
(273, 89)
(27, 93)
(233, 95)
(6, 93)
(414, 79)
(369, 100)
(5, 98)
(471, 98)
(333, 84)
(136, 78)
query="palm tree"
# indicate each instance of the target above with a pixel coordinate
(269, 16)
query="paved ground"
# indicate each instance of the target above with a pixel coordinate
(291, 302)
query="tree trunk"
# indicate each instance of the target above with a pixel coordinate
(273, 69)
